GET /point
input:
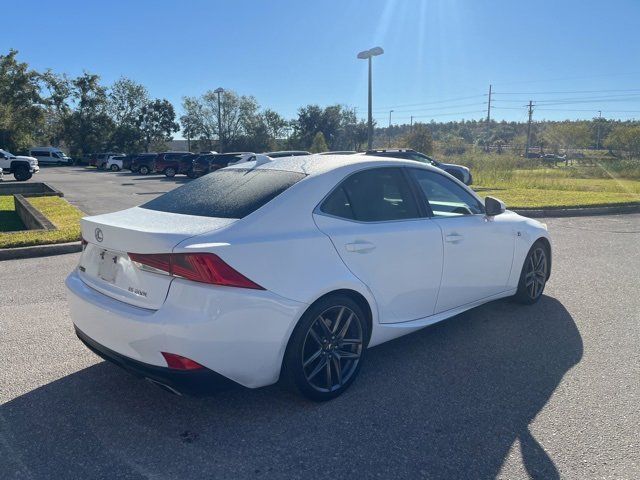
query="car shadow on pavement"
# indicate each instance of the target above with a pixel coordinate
(449, 401)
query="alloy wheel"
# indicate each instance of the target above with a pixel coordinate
(536, 273)
(332, 348)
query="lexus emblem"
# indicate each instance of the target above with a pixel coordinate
(99, 235)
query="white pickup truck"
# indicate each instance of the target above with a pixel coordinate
(22, 168)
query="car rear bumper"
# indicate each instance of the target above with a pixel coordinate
(193, 382)
(240, 334)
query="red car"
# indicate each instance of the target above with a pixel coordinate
(173, 163)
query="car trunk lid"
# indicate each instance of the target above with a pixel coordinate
(105, 264)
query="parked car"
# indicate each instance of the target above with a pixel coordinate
(286, 153)
(211, 282)
(100, 160)
(50, 155)
(115, 163)
(143, 163)
(458, 171)
(207, 163)
(172, 163)
(21, 167)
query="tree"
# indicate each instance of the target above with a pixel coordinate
(625, 140)
(236, 112)
(21, 115)
(275, 125)
(420, 139)
(319, 144)
(56, 94)
(567, 135)
(89, 127)
(335, 122)
(126, 101)
(198, 122)
(157, 122)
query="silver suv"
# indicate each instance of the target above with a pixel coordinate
(460, 172)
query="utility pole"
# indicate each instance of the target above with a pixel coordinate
(599, 124)
(486, 143)
(526, 151)
(411, 125)
(389, 129)
(220, 146)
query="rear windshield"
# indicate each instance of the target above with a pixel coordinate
(233, 193)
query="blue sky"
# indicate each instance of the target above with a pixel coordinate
(440, 55)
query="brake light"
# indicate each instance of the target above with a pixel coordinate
(178, 362)
(198, 267)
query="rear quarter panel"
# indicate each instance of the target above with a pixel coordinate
(280, 248)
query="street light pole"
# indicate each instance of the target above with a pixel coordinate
(389, 129)
(368, 55)
(369, 114)
(220, 147)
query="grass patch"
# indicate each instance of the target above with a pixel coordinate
(61, 213)
(9, 219)
(525, 183)
(523, 198)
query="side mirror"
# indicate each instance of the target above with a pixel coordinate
(493, 206)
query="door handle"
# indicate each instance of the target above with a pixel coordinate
(360, 246)
(453, 238)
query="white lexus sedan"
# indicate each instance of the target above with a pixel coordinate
(291, 268)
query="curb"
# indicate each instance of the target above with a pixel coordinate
(578, 212)
(39, 250)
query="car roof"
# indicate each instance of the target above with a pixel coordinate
(317, 164)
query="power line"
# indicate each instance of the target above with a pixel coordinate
(438, 115)
(435, 102)
(629, 97)
(448, 107)
(565, 92)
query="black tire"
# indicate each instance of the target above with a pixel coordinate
(191, 174)
(22, 174)
(59, 163)
(321, 348)
(170, 172)
(143, 170)
(115, 168)
(534, 274)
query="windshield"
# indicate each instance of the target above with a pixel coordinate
(7, 154)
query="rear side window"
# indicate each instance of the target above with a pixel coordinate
(375, 195)
(233, 193)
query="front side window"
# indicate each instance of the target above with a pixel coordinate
(375, 195)
(446, 198)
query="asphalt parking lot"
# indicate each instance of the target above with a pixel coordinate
(503, 390)
(96, 191)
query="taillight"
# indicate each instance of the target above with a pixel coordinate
(199, 267)
(178, 362)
